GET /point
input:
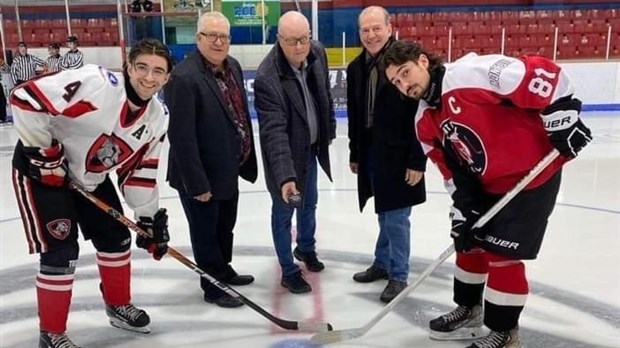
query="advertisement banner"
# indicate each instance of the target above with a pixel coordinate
(186, 5)
(249, 13)
(338, 83)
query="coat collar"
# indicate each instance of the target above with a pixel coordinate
(209, 78)
(282, 65)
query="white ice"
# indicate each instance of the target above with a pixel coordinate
(575, 283)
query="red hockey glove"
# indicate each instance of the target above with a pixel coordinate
(47, 165)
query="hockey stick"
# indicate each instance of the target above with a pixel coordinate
(314, 326)
(348, 334)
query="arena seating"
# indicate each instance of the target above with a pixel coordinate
(40, 32)
(582, 34)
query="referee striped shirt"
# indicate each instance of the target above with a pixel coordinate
(53, 63)
(23, 68)
(72, 60)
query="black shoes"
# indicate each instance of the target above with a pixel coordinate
(296, 283)
(373, 273)
(309, 258)
(224, 301)
(239, 279)
(393, 288)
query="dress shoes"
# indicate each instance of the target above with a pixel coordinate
(309, 258)
(393, 288)
(295, 283)
(225, 301)
(239, 279)
(373, 273)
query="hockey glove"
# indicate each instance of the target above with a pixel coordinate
(157, 227)
(465, 237)
(564, 127)
(47, 165)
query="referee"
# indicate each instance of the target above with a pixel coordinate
(73, 59)
(53, 61)
(24, 65)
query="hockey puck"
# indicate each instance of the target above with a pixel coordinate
(330, 327)
(294, 200)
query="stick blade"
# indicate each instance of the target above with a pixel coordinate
(314, 326)
(336, 336)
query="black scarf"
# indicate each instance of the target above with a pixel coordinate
(131, 93)
(433, 93)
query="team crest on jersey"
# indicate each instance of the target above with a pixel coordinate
(106, 152)
(59, 228)
(467, 145)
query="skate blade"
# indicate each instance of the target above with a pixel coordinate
(464, 333)
(122, 325)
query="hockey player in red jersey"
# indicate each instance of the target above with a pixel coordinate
(81, 125)
(485, 121)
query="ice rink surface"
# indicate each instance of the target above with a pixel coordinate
(575, 283)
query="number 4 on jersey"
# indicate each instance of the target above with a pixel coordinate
(71, 89)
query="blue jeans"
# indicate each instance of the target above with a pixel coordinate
(393, 243)
(282, 214)
(393, 248)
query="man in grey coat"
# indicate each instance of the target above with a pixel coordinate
(297, 124)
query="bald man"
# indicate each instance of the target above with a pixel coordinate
(297, 125)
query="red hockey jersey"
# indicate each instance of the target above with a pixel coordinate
(490, 117)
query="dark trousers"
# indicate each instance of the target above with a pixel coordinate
(2, 104)
(211, 232)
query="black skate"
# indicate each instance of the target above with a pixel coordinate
(128, 317)
(495, 339)
(463, 323)
(50, 340)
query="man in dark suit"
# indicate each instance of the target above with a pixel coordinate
(143, 23)
(384, 153)
(211, 145)
(297, 124)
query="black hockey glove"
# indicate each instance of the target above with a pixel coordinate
(465, 237)
(157, 227)
(47, 165)
(564, 127)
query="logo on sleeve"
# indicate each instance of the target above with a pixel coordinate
(466, 145)
(496, 70)
(59, 228)
(112, 78)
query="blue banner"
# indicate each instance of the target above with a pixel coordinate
(338, 83)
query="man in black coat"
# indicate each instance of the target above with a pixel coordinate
(384, 153)
(211, 145)
(297, 124)
(143, 23)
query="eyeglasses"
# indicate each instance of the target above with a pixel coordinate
(376, 30)
(143, 70)
(212, 37)
(292, 41)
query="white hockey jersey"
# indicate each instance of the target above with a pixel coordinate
(87, 111)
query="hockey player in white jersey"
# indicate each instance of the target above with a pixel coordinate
(81, 125)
